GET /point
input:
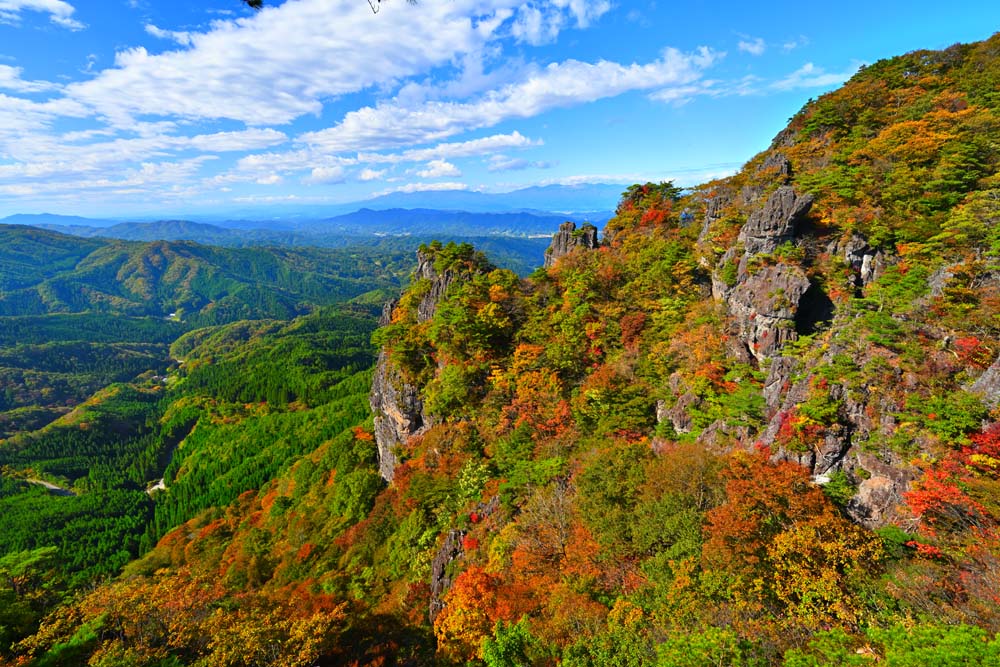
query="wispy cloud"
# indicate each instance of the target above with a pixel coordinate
(755, 46)
(555, 86)
(792, 44)
(183, 38)
(429, 187)
(811, 76)
(499, 163)
(10, 79)
(540, 22)
(60, 13)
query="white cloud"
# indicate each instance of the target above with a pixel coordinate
(429, 187)
(60, 13)
(585, 11)
(46, 156)
(371, 175)
(535, 28)
(558, 85)
(181, 37)
(453, 150)
(755, 46)
(680, 95)
(326, 175)
(437, 72)
(811, 76)
(683, 177)
(793, 44)
(439, 169)
(586, 179)
(540, 22)
(146, 176)
(10, 79)
(243, 69)
(500, 163)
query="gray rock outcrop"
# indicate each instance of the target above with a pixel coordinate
(397, 407)
(988, 384)
(568, 239)
(764, 306)
(398, 410)
(451, 549)
(774, 223)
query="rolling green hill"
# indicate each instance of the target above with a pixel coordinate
(198, 284)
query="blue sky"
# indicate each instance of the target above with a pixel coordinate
(156, 107)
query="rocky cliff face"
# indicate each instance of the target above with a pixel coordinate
(765, 293)
(764, 285)
(398, 412)
(568, 238)
(397, 405)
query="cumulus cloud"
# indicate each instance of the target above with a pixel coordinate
(558, 85)
(435, 72)
(326, 175)
(371, 174)
(439, 169)
(242, 69)
(60, 13)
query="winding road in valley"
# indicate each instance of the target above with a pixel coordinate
(55, 490)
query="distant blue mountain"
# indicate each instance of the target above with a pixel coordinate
(592, 201)
(44, 219)
(429, 221)
(551, 198)
(530, 211)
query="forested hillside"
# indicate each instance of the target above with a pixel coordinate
(244, 403)
(45, 272)
(77, 315)
(755, 424)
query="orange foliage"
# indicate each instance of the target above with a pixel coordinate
(783, 543)
(472, 609)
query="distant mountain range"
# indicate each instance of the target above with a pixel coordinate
(574, 200)
(48, 219)
(433, 211)
(365, 222)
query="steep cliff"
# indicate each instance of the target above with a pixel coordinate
(396, 407)
(396, 396)
(569, 238)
